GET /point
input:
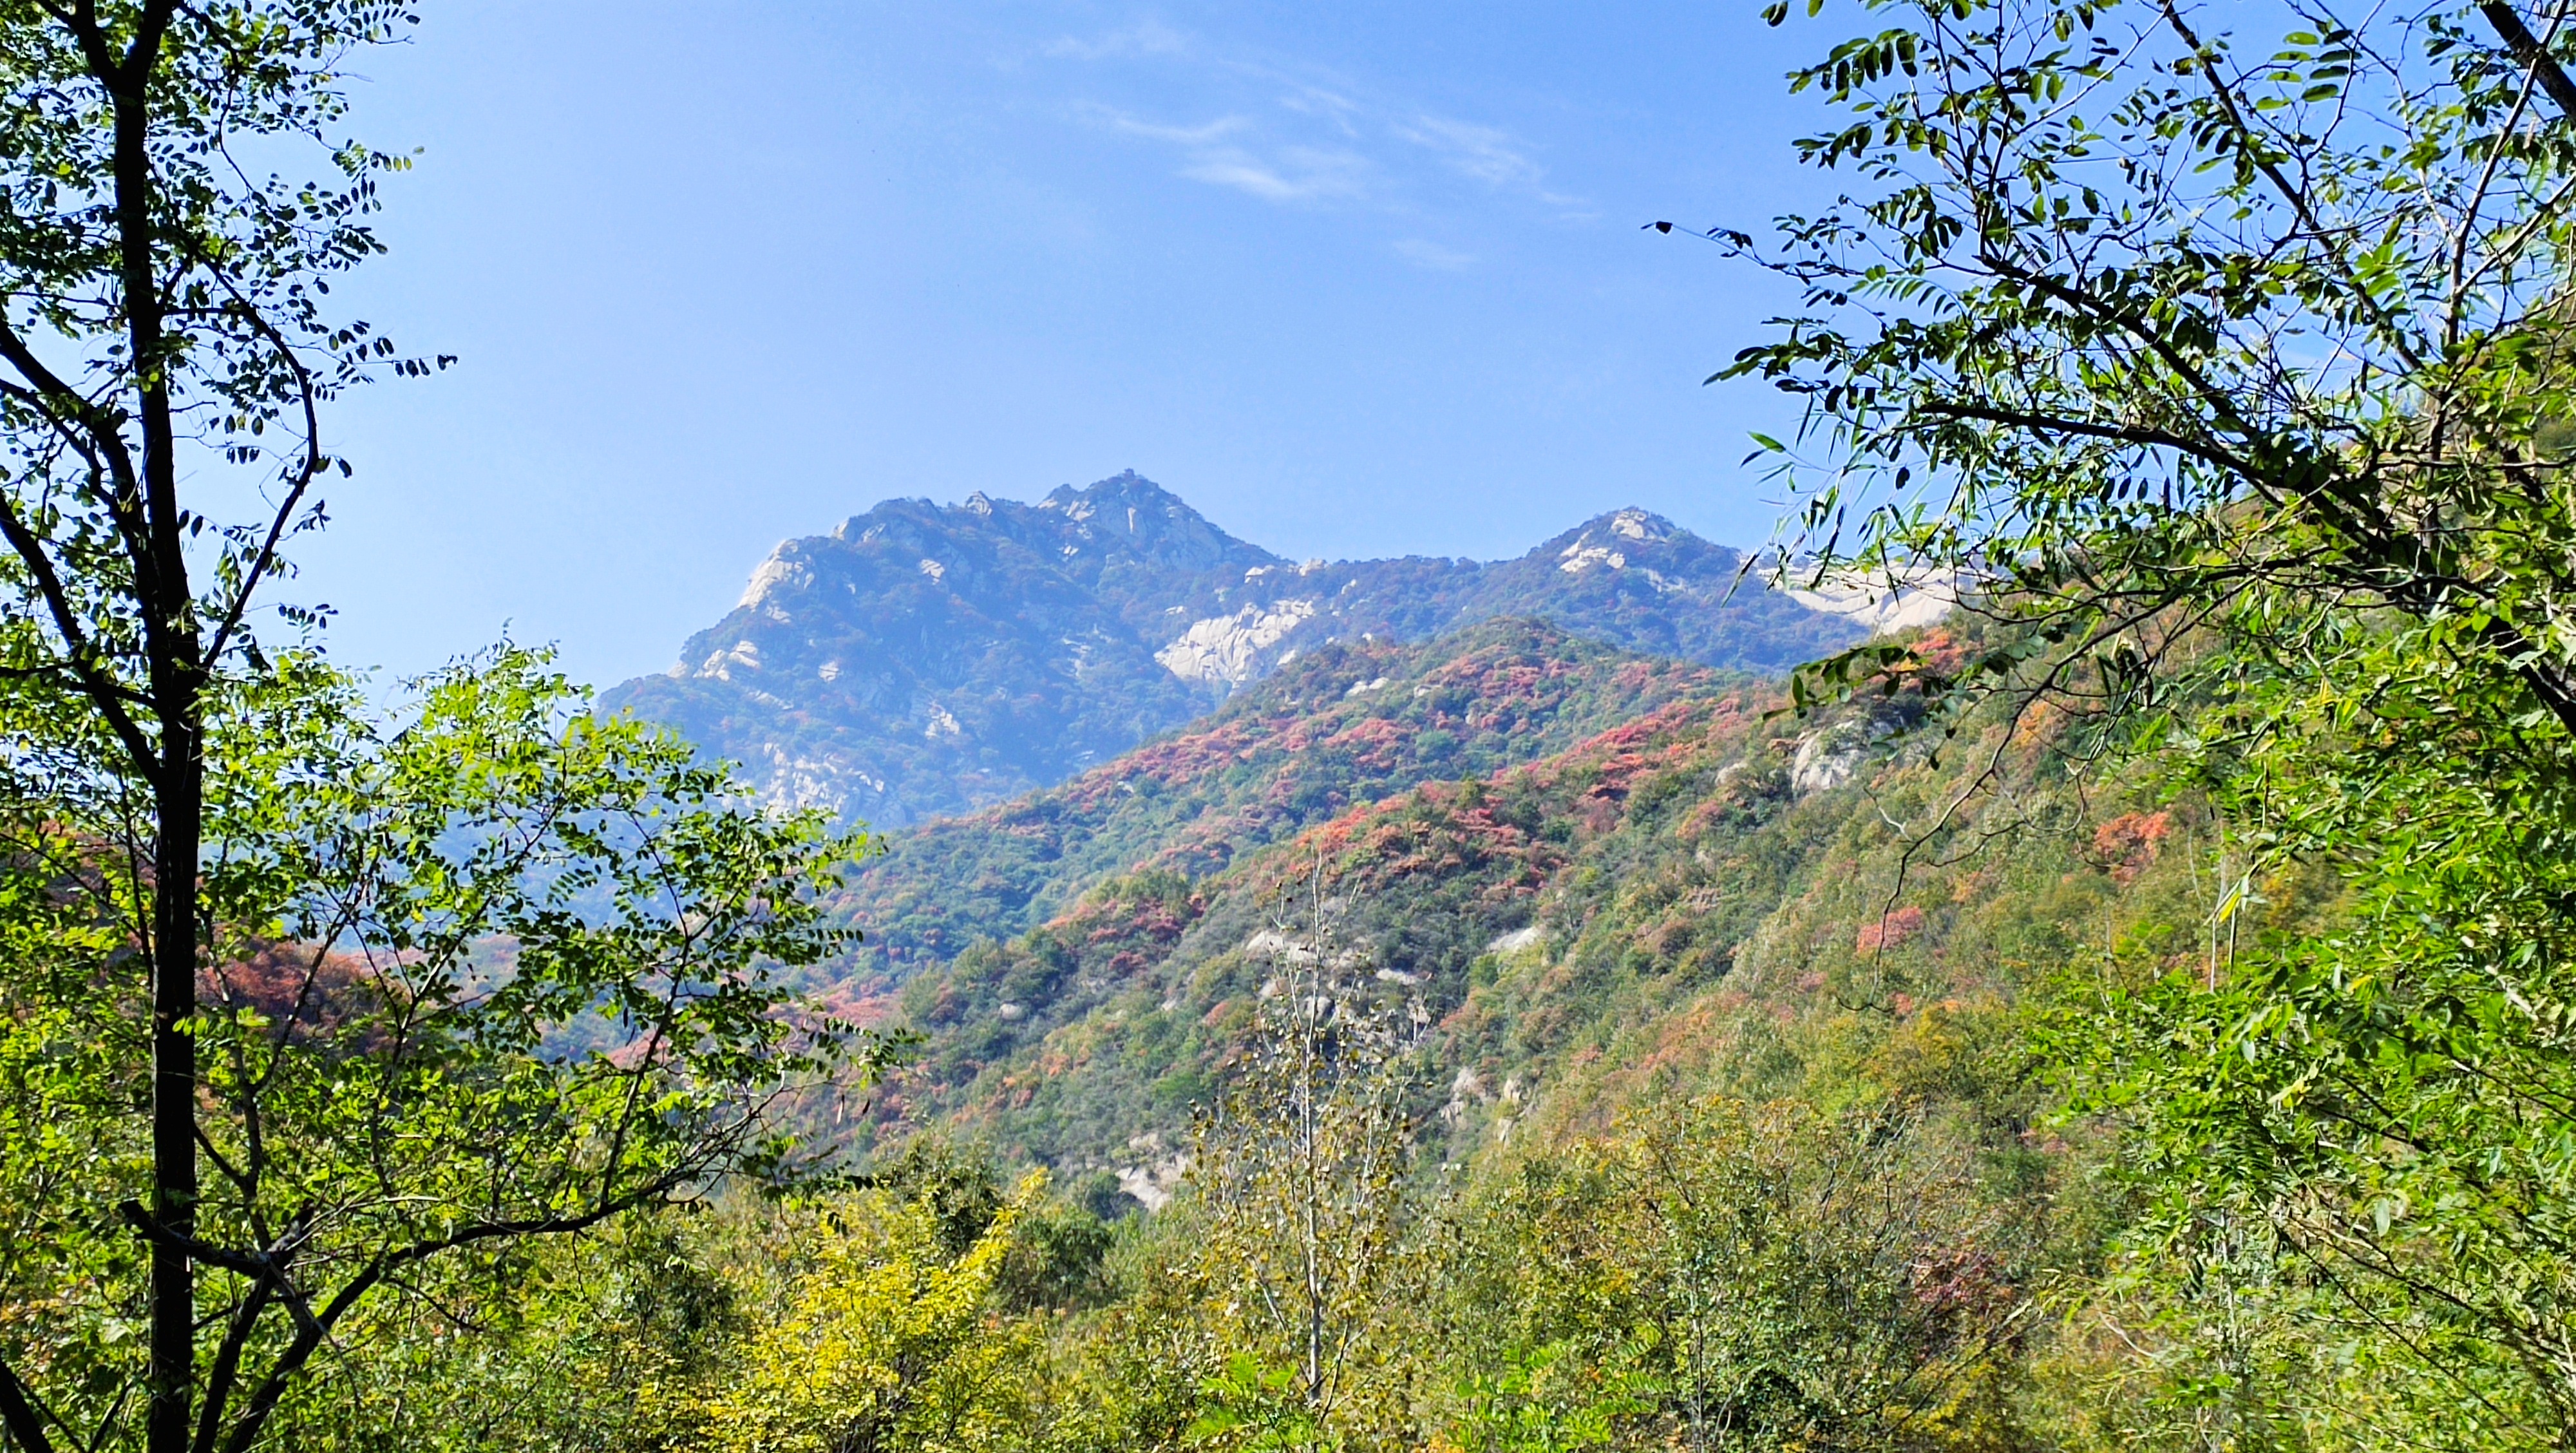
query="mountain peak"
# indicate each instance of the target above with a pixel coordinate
(1126, 487)
(1643, 526)
(926, 658)
(1130, 515)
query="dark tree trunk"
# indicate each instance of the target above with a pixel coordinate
(174, 1094)
(172, 650)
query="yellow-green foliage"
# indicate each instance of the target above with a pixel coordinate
(1762, 1274)
(880, 1339)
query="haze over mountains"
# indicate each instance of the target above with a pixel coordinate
(924, 659)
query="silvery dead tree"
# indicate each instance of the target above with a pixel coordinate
(1304, 1171)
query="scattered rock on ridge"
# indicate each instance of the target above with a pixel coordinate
(926, 659)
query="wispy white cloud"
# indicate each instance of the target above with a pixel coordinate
(1432, 255)
(1294, 174)
(1321, 139)
(1482, 152)
(1331, 106)
(1228, 152)
(1146, 38)
(1204, 134)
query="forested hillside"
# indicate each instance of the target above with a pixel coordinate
(1694, 1080)
(1344, 724)
(1563, 928)
(1109, 1024)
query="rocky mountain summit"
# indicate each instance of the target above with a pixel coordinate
(926, 659)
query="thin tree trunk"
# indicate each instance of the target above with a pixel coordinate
(172, 649)
(174, 1094)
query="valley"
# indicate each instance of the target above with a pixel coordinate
(1548, 801)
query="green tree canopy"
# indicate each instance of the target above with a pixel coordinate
(2145, 328)
(489, 970)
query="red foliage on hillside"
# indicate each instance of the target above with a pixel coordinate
(2128, 843)
(295, 986)
(1891, 931)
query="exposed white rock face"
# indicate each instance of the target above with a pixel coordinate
(1272, 946)
(1828, 756)
(935, 570)
(1822, 764)
(1579, 557)
(833, 783)
(941, 724)
(1227, 649)
(1363, 688)
(745, 654)
(1911, 598)
(1154, 1182)
(1592, 549)
(1516, 940)
(1465, 1091)
(774, 575)
(1639, 525)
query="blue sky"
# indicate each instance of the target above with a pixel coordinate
(1354, 279)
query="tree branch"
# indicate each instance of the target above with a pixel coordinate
(315, 1327)
(2118, 433)
(56, 399)
(18, 1413)
(103, 692)
(2297, 199)
(2531, 54)
(226, 1371)
(307, 395)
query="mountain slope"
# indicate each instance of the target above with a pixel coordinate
(1348, 723)
(1667, 900)
(928, 659)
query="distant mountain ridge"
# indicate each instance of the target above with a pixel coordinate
(925, 659)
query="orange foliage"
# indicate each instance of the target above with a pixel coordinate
(2128, 843)
(1891, 931)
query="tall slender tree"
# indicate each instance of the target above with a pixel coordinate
(163, 295)
(410, 990)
